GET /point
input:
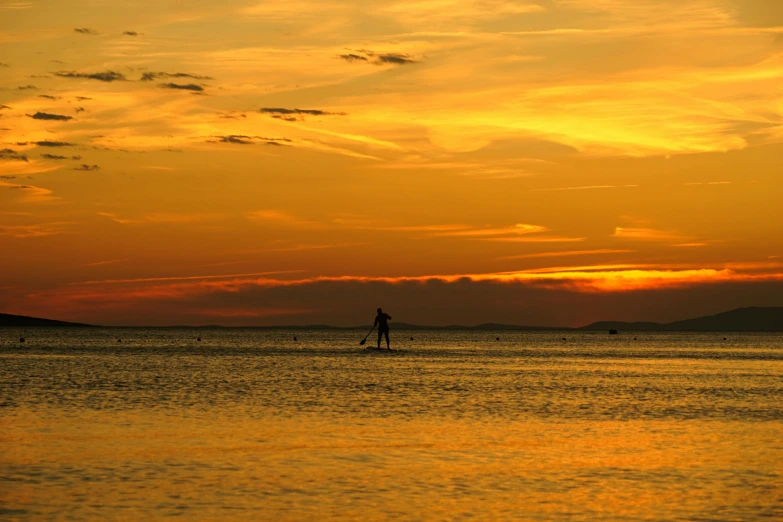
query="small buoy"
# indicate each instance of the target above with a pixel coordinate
(295, 338)
(21, 339)
(199, 339)
(564, 338)
(497, 338)
(724, 338)
(119, 340)
(411, 338)
(634, 338)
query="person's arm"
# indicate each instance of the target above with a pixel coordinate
(388, 317)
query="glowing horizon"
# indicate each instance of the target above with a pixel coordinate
(457, 161)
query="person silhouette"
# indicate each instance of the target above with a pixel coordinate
(383, 327)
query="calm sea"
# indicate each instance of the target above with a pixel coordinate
(250, 424)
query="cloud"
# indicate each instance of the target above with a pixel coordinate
(354, 57)
(394, 58)
(366, 56)
(335, 302)
(82, 98)
(3, 64)
(56, 157)
(147, 77)
(29, 231)
(518, 229)
(9, 154)
(534, 239)
(130, 33)
(173, 218)
(79, 109)
(272, 288)
(240, 139)
(106, 76)
(30, 193)
(232, 116)
(281, 113)
(4, 107)
(647, 234)
(86, 167)
(48, 96)
(283, 219)
(185, 87)
(26, 88)
(48, 116)
(49, 143)
(181, 278)
(587, 187)
(568, 253)
(85, 30)
(519, 233)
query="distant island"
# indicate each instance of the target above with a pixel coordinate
(751, 319)
(22, 320)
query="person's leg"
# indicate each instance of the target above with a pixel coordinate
(386, 333)
(380, 334)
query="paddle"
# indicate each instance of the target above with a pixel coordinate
(361, 343)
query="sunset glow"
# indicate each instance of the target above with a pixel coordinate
(543, 162)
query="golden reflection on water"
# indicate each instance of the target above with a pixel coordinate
(151, 464)
(680, 429)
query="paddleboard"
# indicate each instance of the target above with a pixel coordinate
(373, 349)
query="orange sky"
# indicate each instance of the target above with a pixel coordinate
(548, 162)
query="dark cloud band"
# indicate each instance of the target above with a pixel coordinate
(241, 139)
(366, 56)
(48, 116)
(183, 87)
(107, 76)
(147, 77)
(281, 113)
(9, 154)
(354, 57)
(87, 168)
(48, 143)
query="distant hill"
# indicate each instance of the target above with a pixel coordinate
(752, 319)
(21, 320)
(620, 325)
